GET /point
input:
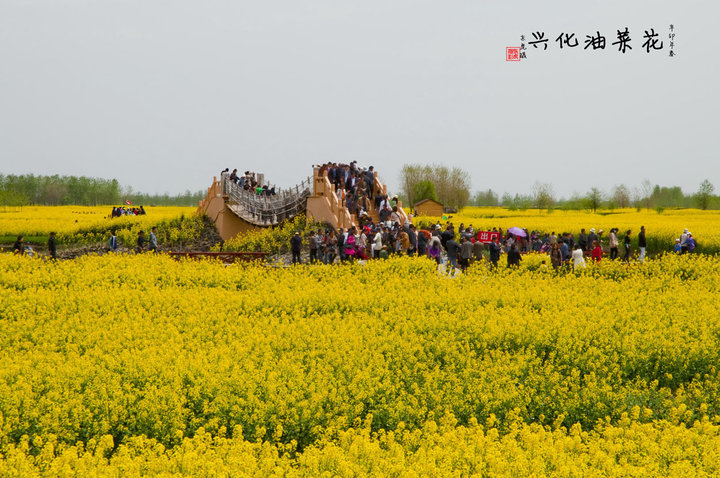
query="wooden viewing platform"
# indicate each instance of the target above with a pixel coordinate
(226, 257)
(236, 211)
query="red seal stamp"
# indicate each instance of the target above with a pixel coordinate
(512, 53)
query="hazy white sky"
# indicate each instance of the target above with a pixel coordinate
(162, 95)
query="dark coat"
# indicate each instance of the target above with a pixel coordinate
(452, 248)
(495, 250)
(513, 257)
(296, 243)
(446, 236)
(413, 238)
(52, 246)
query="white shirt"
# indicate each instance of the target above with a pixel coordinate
(377, 241)
(578, 258)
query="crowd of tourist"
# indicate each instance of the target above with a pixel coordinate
(462, 247)
(249, 181)
(685, 243)
(380, 241)
(357, 189)
(121, 211)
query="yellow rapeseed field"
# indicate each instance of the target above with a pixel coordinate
(133, 365)
(67, 220)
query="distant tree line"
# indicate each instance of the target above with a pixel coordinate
(644, 196)
(28, 189)
(451, 187)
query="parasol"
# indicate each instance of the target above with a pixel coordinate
(517, 232)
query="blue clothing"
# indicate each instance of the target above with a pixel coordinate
(565, 250)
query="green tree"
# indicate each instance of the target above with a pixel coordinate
(452, 185)
(543, 196)
(593, 199)
(704, 194)
(424, 190)
(71, 190)
(486, 198)
(621, 196)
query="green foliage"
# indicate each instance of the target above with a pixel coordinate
(543, 196)
(274, 240)
(26, 189)
(593, 199)
(187, 198)
(669, 197)
(621, 196)
(704, 194)
(424, 190)
(12, 199)
(486, 199)
(451, 185)
(173, 232)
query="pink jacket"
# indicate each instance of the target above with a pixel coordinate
(350, 245)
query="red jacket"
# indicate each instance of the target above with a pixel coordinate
(596, 254)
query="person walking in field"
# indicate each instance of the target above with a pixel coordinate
(341, 238)
(466, 252)
(113, 242)
(141, 241)
(452, 248)
(477, 251)
(565, 252)
(514, 257)
(377, 243)
(331, 242)
(314, 243)
(627, 242)
(578, 257)
(52, 246)
(361, 242)
(403, 242)
(495, 250)
(434, 249)
(591, 238)
(690, 242)
(412, 235)
(614, 243)
(18, 246)
(642, 244)
(153, 240)
(296, 247)
(582, 239)
(350, 248)
(596, 253)
(555, 256)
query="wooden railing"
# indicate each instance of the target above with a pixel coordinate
(262, 210)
